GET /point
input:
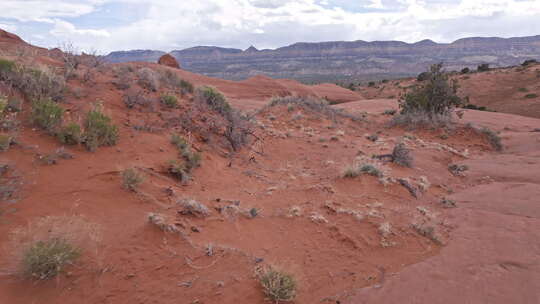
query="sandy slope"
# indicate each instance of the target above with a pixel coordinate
(325, 230)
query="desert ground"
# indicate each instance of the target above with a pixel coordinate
(420, 234)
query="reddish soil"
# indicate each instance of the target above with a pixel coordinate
(324, 229)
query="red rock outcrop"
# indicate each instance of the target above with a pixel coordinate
(169, 61)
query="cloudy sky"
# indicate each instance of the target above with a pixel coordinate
(107, 25)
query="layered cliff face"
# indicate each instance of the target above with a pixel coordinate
(356, 60)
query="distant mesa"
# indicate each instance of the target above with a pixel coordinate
(169, 61)
(251, 49)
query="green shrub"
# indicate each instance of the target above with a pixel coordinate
(6, 68)
(5, 142)
(278, 286)
(531, 96)
(370, 169)
(46, 259)
(434, 97)
(423, 76)
(484, 67)
(523, 90)
(371, 84)
(169, 100)
(15, 104)
(99, 130)
(529, 62)
(186, 86)
(47, 114)
(3, 105)
(214, 99)
(70, 134)
(465, 71)
(179, 141)
(131, 179)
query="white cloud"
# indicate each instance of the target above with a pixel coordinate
(166, 24)
(66, 30)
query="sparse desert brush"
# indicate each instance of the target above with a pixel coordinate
(46, 247)
(484, 67)
(47, 114)
(313, 105)
(390, 112)
(186, 87)
(46, 259)
(278, 286)
(179, 142)
(192, 159)
(99, 130)
(364, 165)
(70, 134)
(193, 207)
(132, 179)
(169, 101)
(214, 99)
(431, 102)
(402, 156)
(458, 170)
(531, 96)
(370, 169)
(236, 126)
(178, 170)
(148, 79)
(493, 138)
(3, 105)
(35, 83)
(5, 142)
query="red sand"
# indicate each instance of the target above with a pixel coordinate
(489, 244)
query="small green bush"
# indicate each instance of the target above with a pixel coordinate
(186, 86)
(531, 96)
(370, 169)
(15, 104)
(179, 141)
(493, 138)
(484, 67)
(6, 67)
(278, 286)
(70, 134)
(169, 101)
(213, 98)
(5, 142)
(465, 71)
(423, 76)
(131, 179)
(47, 114)
(46, 259)
(99, 130)
(435, 97)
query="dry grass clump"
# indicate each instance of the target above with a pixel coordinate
(193, 207)
(148, 79)
(132, 179)
(160, 221)
(278, 286)
(363, 165)
(46, 259)
(458, 170)
(493, 138)
(401, 155)
(44, 248)
(313, 105)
